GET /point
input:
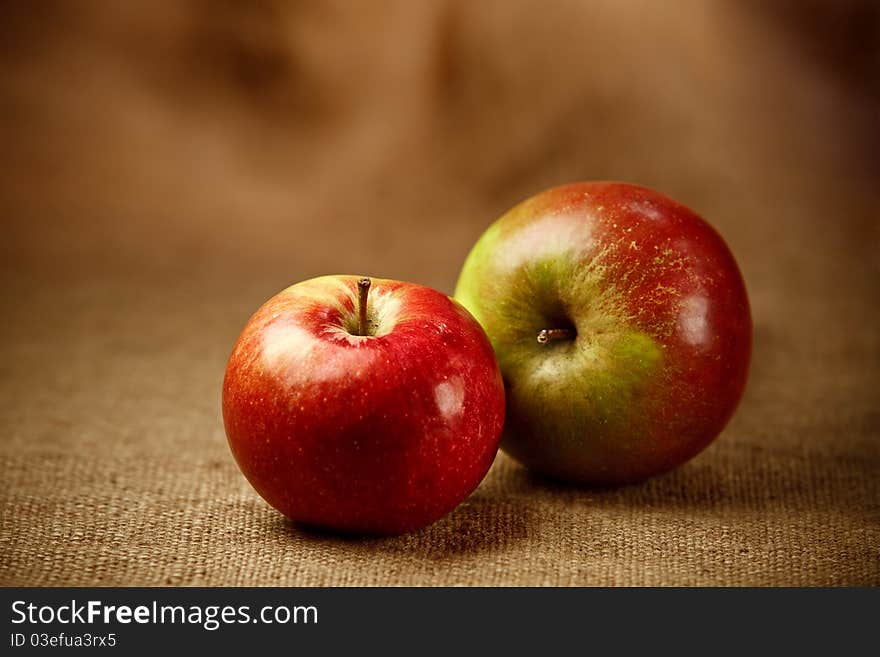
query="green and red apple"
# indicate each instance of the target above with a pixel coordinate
(363, 406)
(621, 325)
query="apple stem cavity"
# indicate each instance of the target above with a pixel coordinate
(363, 291)
(546, 336)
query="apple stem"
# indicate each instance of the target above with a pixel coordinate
(363, 291)
(552, 335)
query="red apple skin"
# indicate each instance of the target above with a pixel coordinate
(663, 343)
(378, 434)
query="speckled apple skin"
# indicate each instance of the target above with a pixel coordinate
(378, 434)
(662, 321)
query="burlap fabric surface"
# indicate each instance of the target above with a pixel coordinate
(164, 172)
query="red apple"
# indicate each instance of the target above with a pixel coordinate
(365, 409)
(621, 325)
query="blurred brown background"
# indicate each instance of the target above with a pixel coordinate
(166, 167)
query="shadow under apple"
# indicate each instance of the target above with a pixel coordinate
(483, 523)
(736, 476)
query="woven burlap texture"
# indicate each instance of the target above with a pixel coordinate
(116, 471)
(166, 169)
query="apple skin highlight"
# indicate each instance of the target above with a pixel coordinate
(368, 434)
(658, 322)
